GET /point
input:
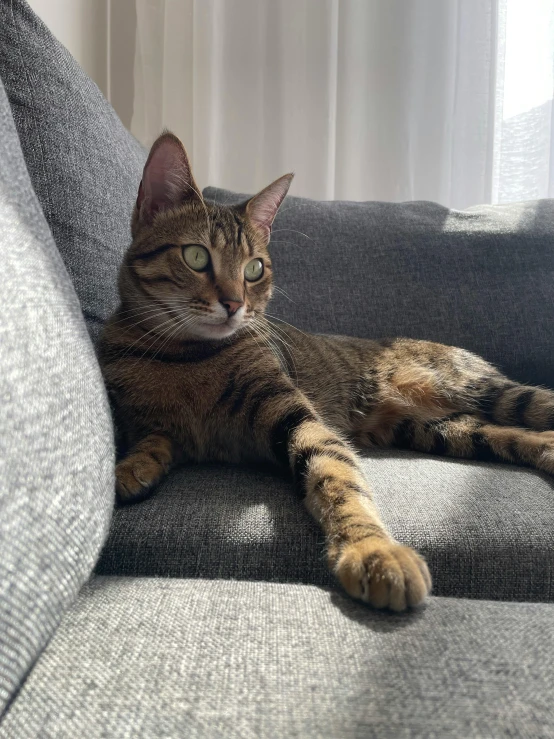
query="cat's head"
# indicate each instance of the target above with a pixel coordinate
(196, 270)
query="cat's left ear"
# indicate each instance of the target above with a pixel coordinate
(263, 207)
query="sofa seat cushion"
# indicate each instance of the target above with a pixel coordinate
(486, 530)
(482, 278)
(84, 165)
(196, 658)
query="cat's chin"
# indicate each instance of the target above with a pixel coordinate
(211, 331)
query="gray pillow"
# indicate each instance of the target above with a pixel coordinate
(56, 449)
(84, 166)
(482, 278)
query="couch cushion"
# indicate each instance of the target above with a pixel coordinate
(482, 279)
(85, 167)
(56, 448)
(486, 530)
(158, 658)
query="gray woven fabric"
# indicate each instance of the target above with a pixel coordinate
(169, 659)
(56, 456)
(84, 165)
(482, 279)
(486, 530)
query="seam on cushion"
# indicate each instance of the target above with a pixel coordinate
(30, 87)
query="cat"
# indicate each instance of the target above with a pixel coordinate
(197, 373)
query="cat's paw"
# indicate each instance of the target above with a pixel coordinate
(384, 574)
(135, 476)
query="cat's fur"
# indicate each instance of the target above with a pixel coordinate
(197, 373)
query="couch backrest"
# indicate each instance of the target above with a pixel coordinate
(482, 279)
(84, 165)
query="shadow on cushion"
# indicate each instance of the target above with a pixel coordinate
(486, 530)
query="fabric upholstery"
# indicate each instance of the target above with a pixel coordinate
(56, 448)
(84, 165)
(195, 658)
(486, 530)
(482, 279)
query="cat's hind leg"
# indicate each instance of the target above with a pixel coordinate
(145, 465)
(466, 382)
(511, 404)
(423, 381)
(469, 437)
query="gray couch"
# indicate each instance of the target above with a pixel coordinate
(208, 610)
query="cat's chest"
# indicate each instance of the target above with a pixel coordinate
(184, 400)
(178, 391)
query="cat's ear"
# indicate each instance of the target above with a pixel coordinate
(167, 180)
(263, 207)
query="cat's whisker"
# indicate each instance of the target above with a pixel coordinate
(286, 346)
(185, 322)
(280, 290)
(272, 347)
(280, 334)
(173, 302)
(294, 230)
(141, 338)
(168, 334)
(274, 331)
(155, 328)
(282, 241)
(143, 316)
(155, 317)
(283, 338)
(251, 330)
(168, 300)
(125, 316)
(156, 314)
(286, 323)
(272, 328)
(263, 330)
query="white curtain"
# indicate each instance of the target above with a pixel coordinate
(445, 100)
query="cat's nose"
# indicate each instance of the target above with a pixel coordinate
(231, 305)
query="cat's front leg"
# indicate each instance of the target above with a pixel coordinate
(143, 467)
(369, 563)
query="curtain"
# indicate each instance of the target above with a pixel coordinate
(444, 100)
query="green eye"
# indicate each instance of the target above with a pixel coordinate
(197, 257)
(254, 270)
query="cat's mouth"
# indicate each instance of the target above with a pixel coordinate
(221, 330)
(216, 326)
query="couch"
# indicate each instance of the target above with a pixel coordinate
(207, 610)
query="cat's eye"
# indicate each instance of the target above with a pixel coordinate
(197, 257)
(254, 270)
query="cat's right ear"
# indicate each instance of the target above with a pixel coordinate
(167, 180)
(263, 207)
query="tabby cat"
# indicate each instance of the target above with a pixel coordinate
(197, 373)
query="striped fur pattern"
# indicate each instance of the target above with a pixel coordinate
(198, 372)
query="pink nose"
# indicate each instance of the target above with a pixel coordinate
(231, 306)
